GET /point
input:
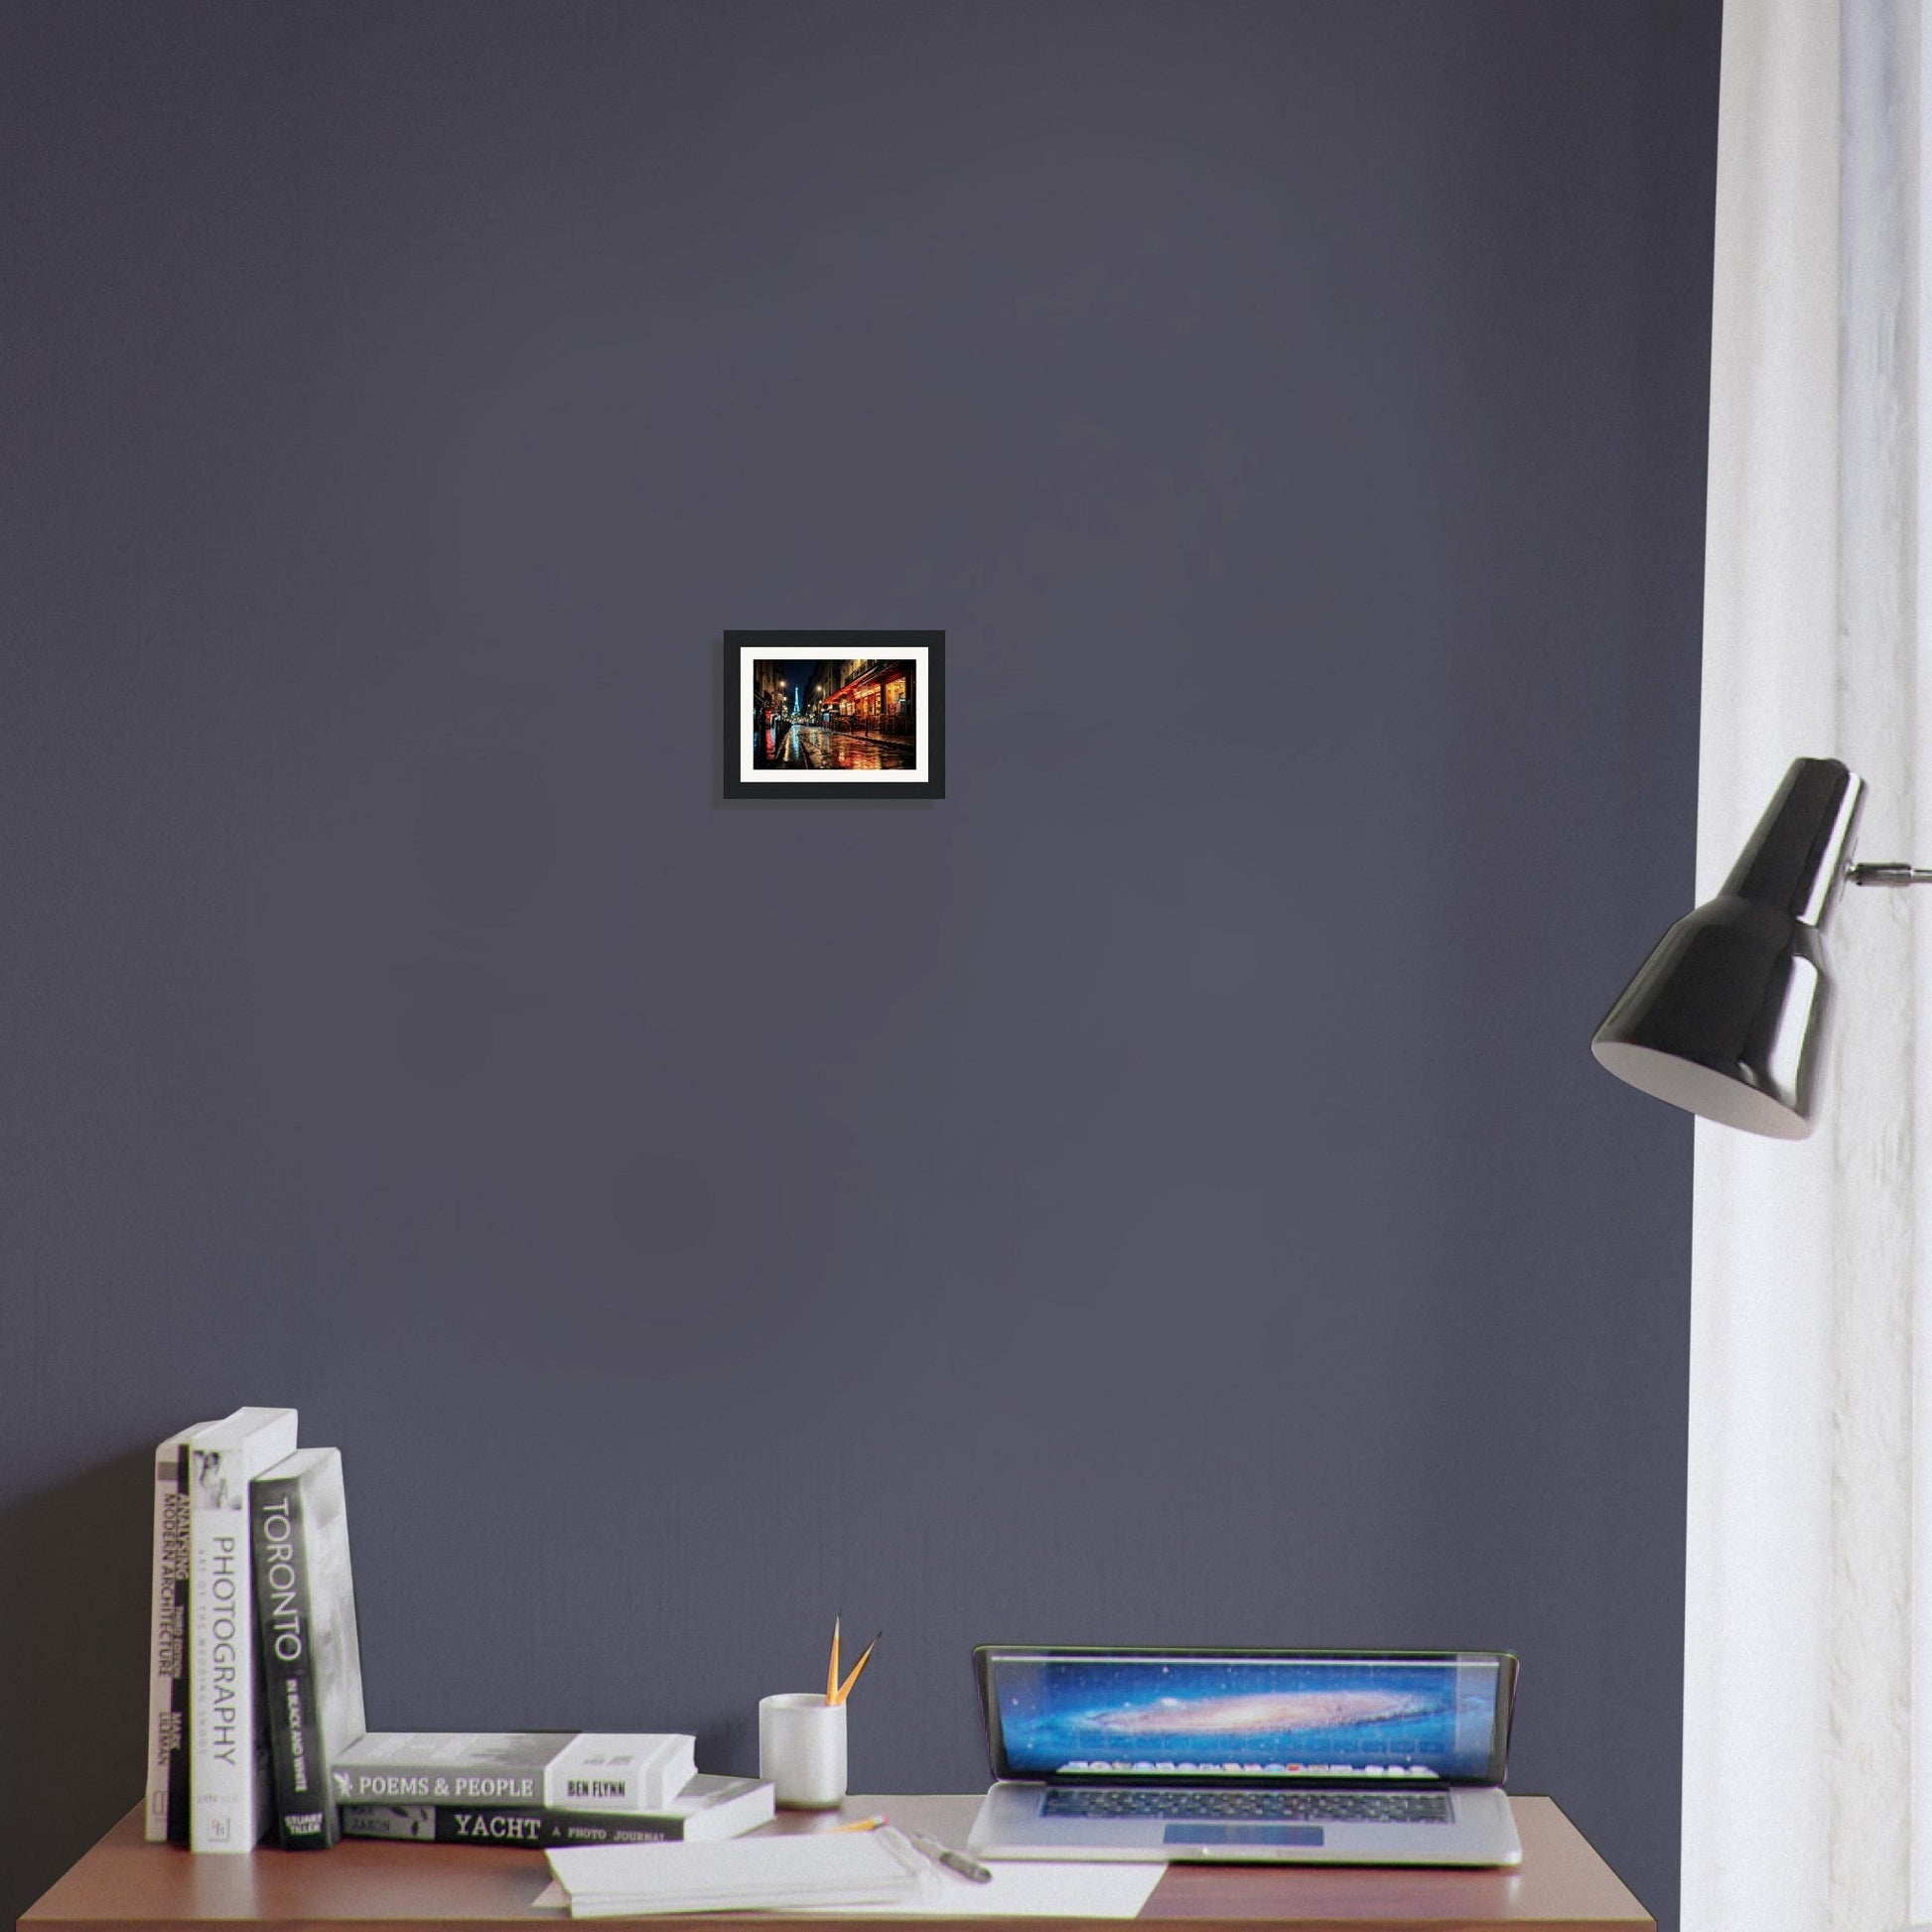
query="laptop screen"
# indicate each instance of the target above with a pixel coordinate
(1172, 1715)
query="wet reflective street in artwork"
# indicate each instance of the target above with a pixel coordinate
(820, 747)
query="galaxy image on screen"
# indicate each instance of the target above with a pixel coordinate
(1375, 1718)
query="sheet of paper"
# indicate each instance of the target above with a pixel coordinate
(1033, 1889)
(780, 1873)
(1021, 1889)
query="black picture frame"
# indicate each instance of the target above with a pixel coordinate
(835, 714)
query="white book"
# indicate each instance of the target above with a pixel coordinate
(166, 1792)
(586, 1770)
(621, 1771)
(228, 1757)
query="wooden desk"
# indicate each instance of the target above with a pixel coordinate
(363, 1885)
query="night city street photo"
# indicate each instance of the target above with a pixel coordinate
(859, 711)
(833, 715)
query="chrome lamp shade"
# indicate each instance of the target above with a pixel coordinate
(1727, 1016)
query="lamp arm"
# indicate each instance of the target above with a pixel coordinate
(1891, 871)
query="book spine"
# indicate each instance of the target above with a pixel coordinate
(305, 1805)
(619, 1773)
(222, 1701)
(538, 1826)
(227, 1754)
(227, 1751)
(165, 1812)
(405, 1782)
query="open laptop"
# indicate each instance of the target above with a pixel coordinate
(1301, 1756)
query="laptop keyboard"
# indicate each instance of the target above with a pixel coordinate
(1298, 1807)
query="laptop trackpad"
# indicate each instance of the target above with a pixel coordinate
(1243, 1834)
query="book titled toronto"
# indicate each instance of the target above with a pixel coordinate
(312, 1660)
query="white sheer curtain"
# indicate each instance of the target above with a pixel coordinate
(1808, 1675)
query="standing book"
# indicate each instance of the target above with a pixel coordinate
(165, 1812)
(311, 1664)
(228, 1756)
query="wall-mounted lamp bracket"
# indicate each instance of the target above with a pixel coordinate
(1891, 871)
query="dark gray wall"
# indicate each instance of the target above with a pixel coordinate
(1159, 1195)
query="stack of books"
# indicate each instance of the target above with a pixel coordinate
(541, 1789)
(256, 1721)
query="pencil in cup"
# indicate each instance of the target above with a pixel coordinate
(837, 1690)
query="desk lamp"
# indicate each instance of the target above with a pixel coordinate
(1727, 1017)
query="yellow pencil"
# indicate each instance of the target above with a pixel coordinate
(845, 1689)
(832, 1669)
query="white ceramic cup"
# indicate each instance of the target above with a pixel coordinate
(801, 1749)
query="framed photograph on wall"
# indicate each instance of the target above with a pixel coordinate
(835, 714)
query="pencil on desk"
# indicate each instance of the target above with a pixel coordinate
(844, 1691)
(832, 1669)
